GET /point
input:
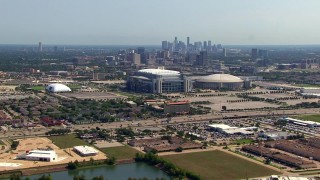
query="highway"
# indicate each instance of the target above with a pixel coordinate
(216, 116)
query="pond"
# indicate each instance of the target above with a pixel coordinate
(117, 172)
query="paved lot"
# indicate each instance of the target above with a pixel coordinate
(107, 144)
(241, 105)
(91, 95)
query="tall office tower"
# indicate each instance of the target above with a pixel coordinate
(214, 48)
(165, 45)
(263, 53)
(202, 58)
(219, 46)
(254, 53)
(209, 46)
(175, 44)
(224, 52)
(40, 47)
(134, 58)
(143, 56)
(205, 46)
(188, 41)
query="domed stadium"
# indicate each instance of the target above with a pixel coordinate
(219, 81)
(55, 88)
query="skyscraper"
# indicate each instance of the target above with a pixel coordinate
(205, 46)
(263, 53)
(175, 44)
(254, 53)
(134, 58)
(165, 45)
(143, 56)
(202, 58)
(40, 47)
(188, 41)
(224, 52)
(209, 46)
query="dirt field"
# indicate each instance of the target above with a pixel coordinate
(8, 161)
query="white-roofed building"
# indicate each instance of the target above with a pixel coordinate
(310, 91)
(158, 81)
(302, 122)
(226, 129)
(85, 150)
(219, 81)
(56, 87)
(39, 155)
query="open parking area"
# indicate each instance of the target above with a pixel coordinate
(91, 95)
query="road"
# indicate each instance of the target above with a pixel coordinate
(21, 133)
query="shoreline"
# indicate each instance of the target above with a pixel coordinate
(55, 168)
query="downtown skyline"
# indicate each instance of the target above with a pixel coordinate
(147, 23)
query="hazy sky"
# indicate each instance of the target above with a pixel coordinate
(107, 22)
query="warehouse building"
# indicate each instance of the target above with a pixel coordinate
(85, 150)
(39, 155)
(221, 81)
(158, 81)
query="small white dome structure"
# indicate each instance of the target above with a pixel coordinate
(55, 88)
(219, 81)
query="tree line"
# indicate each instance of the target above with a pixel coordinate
(166, 166)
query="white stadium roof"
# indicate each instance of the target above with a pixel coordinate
(159, 71)
(219, 78)
(58, 88)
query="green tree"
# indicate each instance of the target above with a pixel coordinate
(45, 177)
(15, 176)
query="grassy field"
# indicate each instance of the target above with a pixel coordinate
(67, 141)
(244, 141)
(74, 86)
(121, 152)
(38, 88)
(219, 165)
(313, 117)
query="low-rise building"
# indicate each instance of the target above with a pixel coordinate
(177, 107)
(226, 129)
(295, 147)
(279, 157)
(39, 155)
(85, 150)
(275, 135)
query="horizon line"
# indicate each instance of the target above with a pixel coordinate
(52, 44)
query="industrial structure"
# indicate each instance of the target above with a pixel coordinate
(158, 81)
